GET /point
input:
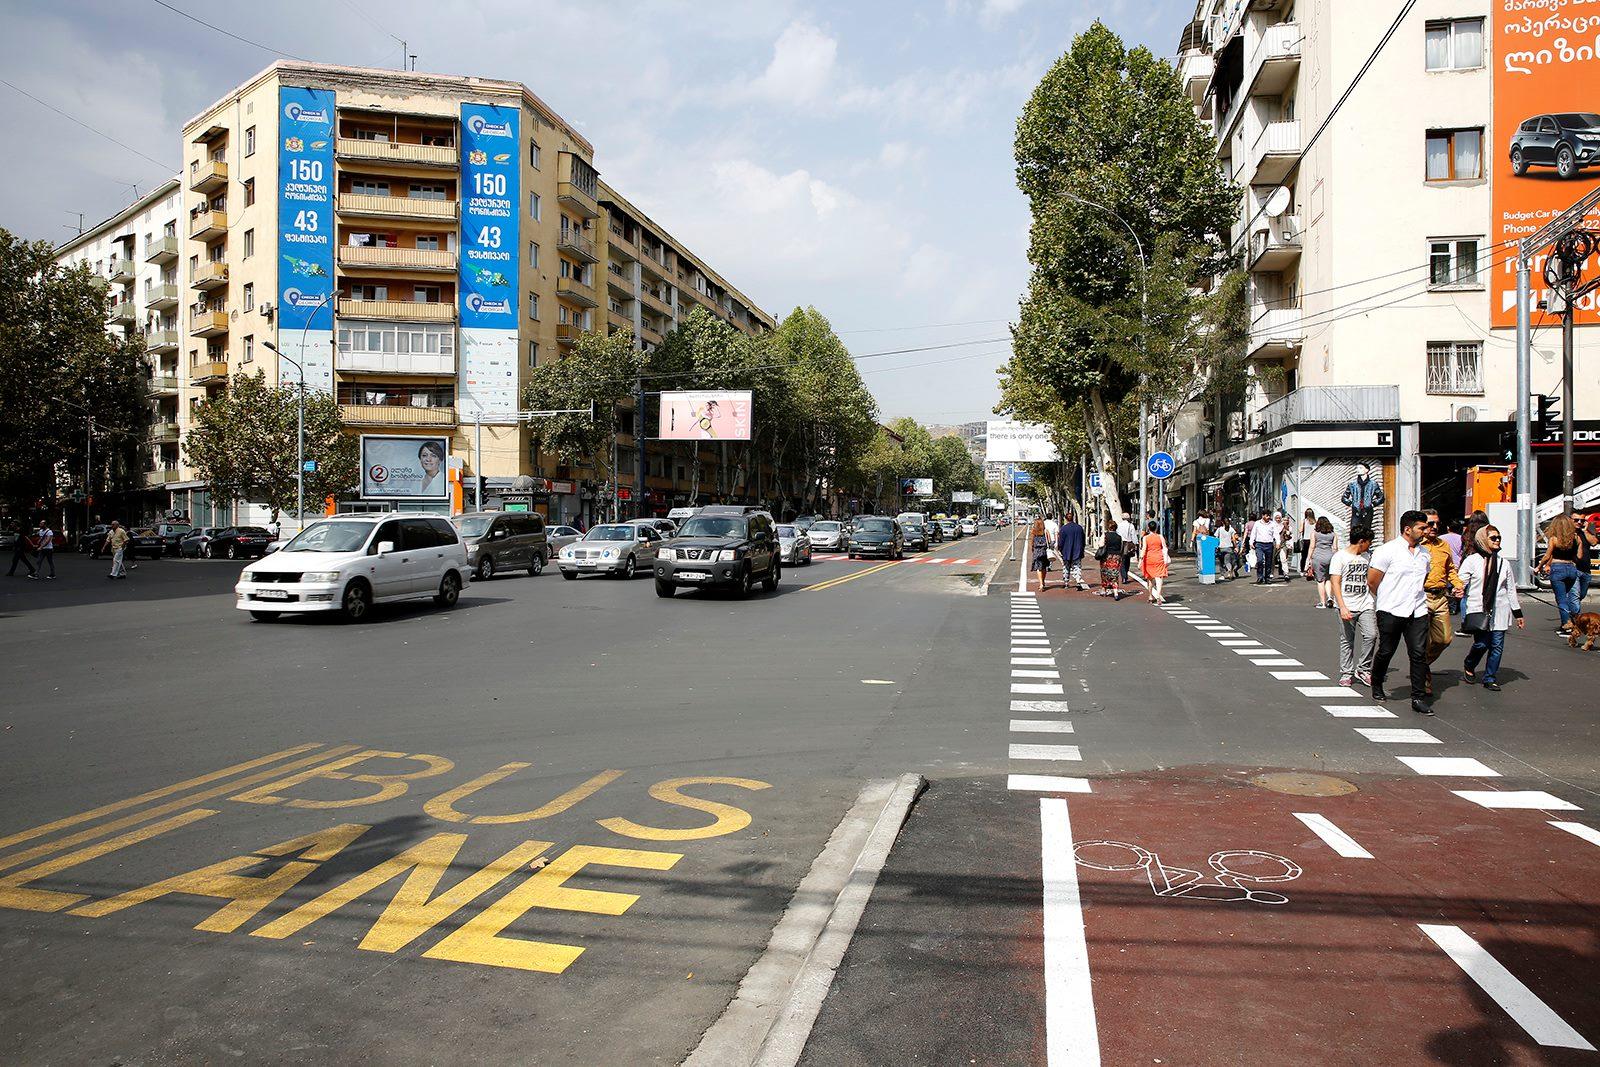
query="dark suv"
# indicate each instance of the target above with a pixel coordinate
(723, 546)
(876, 535)
(1568, 141)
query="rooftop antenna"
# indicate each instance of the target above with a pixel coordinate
(413, 61)
(80, 221)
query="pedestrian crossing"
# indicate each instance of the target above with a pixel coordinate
(951, 561)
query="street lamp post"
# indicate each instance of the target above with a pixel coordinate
(300, 415)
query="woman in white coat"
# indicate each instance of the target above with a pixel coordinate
(1489, 604)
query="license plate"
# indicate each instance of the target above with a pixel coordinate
(691, 576)
(272, 594)
(587, 563)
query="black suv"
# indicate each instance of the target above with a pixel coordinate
(876, 535)
(726, 546)
(1568, 141)
(914, 535)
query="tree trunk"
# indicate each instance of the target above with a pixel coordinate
(1097, 424)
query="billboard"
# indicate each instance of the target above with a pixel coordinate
(712, 415)
(488, 280)
(963, 497)
(1020, 442)
(405, 468)
(916, 486)
(305, 235)
(1546, 96)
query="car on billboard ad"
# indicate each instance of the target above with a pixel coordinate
(710, 415)
(404, 468)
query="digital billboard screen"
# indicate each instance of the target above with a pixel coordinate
(710, 415)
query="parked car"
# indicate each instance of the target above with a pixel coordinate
(559, 537)
(618, 549)
(969, 527)
(192, 545)
(93, 541)
(144, 541)
(722, 550)
(503, 541)
(351, 562)
(826, 534)
(171, 533)
(876, 535)
(238, 542)
(794, 546)
(914, 535)
(1567, 141)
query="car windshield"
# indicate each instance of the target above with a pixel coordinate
(612, 533)
(874, 526)
(331, 537)
(476, 526)
(826, 527)
(788, 531)
(1578, 120)
(712, 526)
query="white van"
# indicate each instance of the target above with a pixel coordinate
(350, 562)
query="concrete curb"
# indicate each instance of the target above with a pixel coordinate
(994, 571)
(771, 1016)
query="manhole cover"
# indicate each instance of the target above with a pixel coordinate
(1304, 784)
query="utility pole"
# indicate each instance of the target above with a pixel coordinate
(1563, 273)
(638, 440)
(88, 471)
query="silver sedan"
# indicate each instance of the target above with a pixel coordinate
(794, 546)
(826, 534)
(618, 549)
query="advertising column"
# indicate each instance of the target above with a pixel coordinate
(305, 236)
(490, 196)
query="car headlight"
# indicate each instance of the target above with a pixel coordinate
(609, 553)
(246, 576)
(667, 553)
(320, 576)
(727, 555)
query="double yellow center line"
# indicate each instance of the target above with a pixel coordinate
(830, 583)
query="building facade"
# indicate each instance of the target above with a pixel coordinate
(1372, 256)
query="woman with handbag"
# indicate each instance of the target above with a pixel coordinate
(1154, 559)
(1490, 602)
(1039, 546)
(1109, 556)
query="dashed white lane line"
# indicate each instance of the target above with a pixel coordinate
(1069, 753)
(1324, 691)
(1035, 687)
(1300, 676)
(1072, 1037)
(1397, 736)
(1238, 643)
(1505, 989)
(1031, 673)
(1276, 662)
(1449, 766)
(1578, 829)
(1258, 652)
(1047, 783)
(1039, 705)
(1332, 836)
(1230, 633)
(1531, 799)
(1040, 726)
(1357, 711)
(1033, 661)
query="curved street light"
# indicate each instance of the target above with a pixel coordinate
(300, 414)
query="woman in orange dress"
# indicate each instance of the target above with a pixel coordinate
(1153, 562)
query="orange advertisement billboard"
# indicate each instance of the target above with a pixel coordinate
(1545, 149)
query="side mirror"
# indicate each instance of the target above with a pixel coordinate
(385, 547)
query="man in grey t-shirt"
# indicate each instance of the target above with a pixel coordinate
(1358, 612)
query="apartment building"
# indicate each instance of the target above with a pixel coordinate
(414, 244)
(138, 253)
(1381, 319)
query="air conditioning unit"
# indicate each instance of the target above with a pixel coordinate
(1468, 413)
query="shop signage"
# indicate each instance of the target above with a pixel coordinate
(1308, 441)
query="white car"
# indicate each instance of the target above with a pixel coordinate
(351, 562)
(794, 546)
(559, 537)
(621, 549)
(826, 534)
(969, 526)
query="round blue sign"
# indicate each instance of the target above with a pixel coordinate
(1162, 465)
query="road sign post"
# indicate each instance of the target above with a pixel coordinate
(1161, 466)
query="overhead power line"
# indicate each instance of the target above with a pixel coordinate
(168, 168)
(930, 326)
(227, 33)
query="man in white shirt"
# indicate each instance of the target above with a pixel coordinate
(1396, 577)
(1130, 542)
(1264, 542)
(1358, 612)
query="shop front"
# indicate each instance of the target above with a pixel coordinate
(1345, 474)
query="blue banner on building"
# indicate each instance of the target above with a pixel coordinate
(306, 234)
(491, 194)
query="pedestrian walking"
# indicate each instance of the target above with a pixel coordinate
(44, 546)
(1154, 559)
(1129, 535)
(1560, 563)
(1587, 543)
(1109, 557)
(1396, 576)
(1323, 543)
(1308, 534)
(1358, 613)
(1282, 560)
(1069, 545)
(19, 554)
(1227, 553)
(1443, 589)
(1039, 546)
(1491, 603)
(1264, 542)
(117, 544)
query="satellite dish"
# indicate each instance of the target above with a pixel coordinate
(1279, 201)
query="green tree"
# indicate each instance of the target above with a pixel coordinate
(831, 416)
(601, 372)
(244, 445)
(1113, 126)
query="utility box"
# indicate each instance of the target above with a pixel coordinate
(1206, 554)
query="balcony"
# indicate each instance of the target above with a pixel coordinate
(1332, 403)
(575, 291)
(209, 276)
(658, 267)
(209, 175)
(395, 414)
(396, 362)
(164, 250)
(369, 205)
(163, 476)
(619, 320)
(206, 225)
(620, 283)
(567, 333)
(120, 270)
(207, 323)
(577, 186)
(1276, 246)
(415, 155)
(161, 297)
(164, 431)
(1274, 152)
(208, 371)
(161, 341)
(162, 385)
(1275, 62)
(577, 245)
(650, 334)
(1276, 334)
(122, 313)
(397, 310)
(1195, 73)
(422, 259)
(654, 302)
(624, 249)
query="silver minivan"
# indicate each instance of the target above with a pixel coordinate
(503, 541)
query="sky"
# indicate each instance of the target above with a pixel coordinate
(852, 157)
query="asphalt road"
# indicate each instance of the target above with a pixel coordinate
(222, 840)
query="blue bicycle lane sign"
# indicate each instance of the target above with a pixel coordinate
(1162, 465)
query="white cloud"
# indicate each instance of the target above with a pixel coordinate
(896, 154)
(802, 65)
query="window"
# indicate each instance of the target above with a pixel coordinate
(533, 255)
(249, 191)
(1455, 367)
(249, 296)
(170, 229)
(429, 192)
(1455, 155)
(533, 353)
(369, 187)
(533, 306)
(1455, 44)
(371, 135)
(369, 292)
(399, 396)
(428, 242)
(1453, 263)
(533, 205)
(250, 141)
(425, 294)
(402, 338)
(249, 243)
(249, 350)
(533, 154)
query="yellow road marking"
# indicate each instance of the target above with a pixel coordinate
(154, 794)
(13, 893)
(829, 584)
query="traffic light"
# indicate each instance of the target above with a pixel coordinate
(1549, 410)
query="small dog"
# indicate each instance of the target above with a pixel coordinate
(1586, 624)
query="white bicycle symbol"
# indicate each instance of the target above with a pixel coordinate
(1161, 465)
(1226, 883)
